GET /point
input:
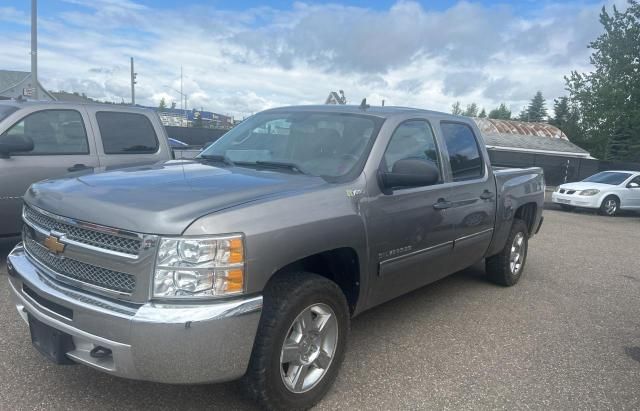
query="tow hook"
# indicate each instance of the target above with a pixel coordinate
(100, 352)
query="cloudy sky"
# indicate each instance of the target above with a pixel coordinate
(244, 56)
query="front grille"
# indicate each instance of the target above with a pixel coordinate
(571, 191)
(82, 235)
(562, 191)
(76, 270)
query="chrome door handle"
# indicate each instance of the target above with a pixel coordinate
(486, 195)
(442, 204)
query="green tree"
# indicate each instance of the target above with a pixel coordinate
(609, 95)
(560, 112)
(197, 120)
(536, 111)
(456, 108)
(501, 112)
(163, 104)
(483, 113)
(471, 110)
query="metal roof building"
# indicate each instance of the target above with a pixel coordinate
(520, 136)
(14, 84)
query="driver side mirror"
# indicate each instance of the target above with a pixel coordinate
(410, 172)
(14, 144)
(633, 185)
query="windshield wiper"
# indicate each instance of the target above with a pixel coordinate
(278, 164)
(217, 157)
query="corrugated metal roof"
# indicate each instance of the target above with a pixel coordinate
(539, 137)
(9, 78)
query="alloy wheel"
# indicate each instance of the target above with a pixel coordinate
(516, 258)
(309, 348)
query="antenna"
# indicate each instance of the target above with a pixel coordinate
(364, 105)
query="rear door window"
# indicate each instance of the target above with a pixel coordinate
(54, 132)
(126, 133)
(464, 153)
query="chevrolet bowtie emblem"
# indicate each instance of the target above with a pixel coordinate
(53, 244)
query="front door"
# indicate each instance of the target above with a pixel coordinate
(633, 194)
(410, 240)
(61, 145)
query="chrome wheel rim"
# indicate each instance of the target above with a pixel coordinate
(516, 258)
(610, 206)
(308, 348)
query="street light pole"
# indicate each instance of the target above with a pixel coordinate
(34, 47)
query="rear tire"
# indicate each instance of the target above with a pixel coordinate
(610, 206)
(300, 343)
(506, 267)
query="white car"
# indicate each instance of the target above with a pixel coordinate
(607, 191)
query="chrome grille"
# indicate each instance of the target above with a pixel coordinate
(76, 270)
(82, 235)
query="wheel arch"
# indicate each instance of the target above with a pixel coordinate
(340, 265)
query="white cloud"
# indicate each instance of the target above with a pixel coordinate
(243, 62)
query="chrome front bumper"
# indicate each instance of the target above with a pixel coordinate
(169, 343)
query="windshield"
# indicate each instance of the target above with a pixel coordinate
(316, 143)
(608, 177)
(5, 111)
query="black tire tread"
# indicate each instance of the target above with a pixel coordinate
(601, 209)
(280, 295)
(497, 266)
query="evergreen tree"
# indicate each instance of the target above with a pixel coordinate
(609, 95)
(483, 113)
(500, 113)
(560, 112)
(471, 110)
(536, 111)
(456, 108)
(163, 104)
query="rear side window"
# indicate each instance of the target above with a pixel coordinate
(54, 132)
(464, 153)
(126, 133)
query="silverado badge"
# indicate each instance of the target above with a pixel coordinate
(53, 244)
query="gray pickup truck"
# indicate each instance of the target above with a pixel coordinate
(249, 261)
(43, 139)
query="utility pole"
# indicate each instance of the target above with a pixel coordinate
(133, 84)
(34, 48)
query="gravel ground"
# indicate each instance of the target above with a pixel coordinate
(566, 337)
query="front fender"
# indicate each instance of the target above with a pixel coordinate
(281, 231)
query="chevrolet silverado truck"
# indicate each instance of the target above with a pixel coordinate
(45, 139)
(250, 260)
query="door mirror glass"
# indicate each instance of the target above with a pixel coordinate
(410, 172)
(14, 144)
(634, 185)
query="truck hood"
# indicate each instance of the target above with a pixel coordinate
(163, 198)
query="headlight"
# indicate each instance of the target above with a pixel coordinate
(590, 192)
(199, 267)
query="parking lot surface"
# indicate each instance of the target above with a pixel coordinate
(566, 337)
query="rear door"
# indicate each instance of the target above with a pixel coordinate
(128, 137)
(61, 145)
(470, 199)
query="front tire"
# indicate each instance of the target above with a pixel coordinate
(300, 342)
(610, 206)
(506, 267)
